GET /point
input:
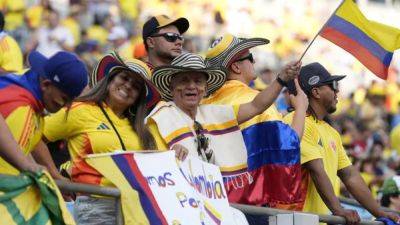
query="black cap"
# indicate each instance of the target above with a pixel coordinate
(156, 22)
(314, 74)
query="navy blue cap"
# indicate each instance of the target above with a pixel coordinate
(65, 70)
(314, 75)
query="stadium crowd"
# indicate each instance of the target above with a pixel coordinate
(149, 48)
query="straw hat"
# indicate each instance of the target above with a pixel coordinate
(226, 49)
(187, 62)
(113, 61)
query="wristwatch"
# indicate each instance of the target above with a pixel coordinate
(281, 82)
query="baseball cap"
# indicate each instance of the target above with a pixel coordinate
(156, 22)
(64, 69)
(314, 75)
(117, 32)
(391, 186)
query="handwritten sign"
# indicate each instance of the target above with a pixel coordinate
(189, 192)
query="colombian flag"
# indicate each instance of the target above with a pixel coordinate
(139, 205)
(370, 42)
(32, 199)
(273, 149)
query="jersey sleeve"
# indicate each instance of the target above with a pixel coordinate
(62, 125)
(22, 124)
(343, 159)
(152, 126)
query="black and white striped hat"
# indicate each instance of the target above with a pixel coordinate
(187, 62)
(225, 50)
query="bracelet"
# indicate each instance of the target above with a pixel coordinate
(281, 82)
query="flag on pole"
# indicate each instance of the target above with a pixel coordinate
(32, 199)
(370, 42)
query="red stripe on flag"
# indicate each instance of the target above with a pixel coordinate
(261, 192)
(143, 183)
(357, 50)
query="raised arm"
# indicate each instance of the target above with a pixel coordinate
(266, 98)
(300, 103)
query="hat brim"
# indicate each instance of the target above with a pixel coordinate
(37, 62)
(181, 23)
(243, 45)
(333, 78)
(162, 77)
(113, 62)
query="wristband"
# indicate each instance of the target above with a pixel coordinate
(281, 82)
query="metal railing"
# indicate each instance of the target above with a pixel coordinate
(248, 209)
(67, 186)
(254, 210)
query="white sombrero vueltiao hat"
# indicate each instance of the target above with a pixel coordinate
(187, 62)
(225, 50)
(113, 61)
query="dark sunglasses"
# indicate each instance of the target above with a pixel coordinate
(249, 57)
(334, 85)
(202, 140)
(170, 37)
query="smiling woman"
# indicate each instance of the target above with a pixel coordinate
(110, 117)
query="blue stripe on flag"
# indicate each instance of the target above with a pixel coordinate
(359, 36)
(146, 203)
(272, 142)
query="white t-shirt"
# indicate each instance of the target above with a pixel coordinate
(47, 39)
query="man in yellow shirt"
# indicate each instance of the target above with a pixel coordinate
(323, 157)
(10, 52)
(50, 84)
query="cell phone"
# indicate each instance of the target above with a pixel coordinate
(291, 87)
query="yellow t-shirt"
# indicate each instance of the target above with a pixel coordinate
(234, 92)
(10, 55)
(395, 138)
(88, 131)
(97, 33)
(320, 141)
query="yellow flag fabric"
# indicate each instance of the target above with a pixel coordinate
(133, 212)
(32, 198)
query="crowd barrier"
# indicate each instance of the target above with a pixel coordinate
(253, 210)
(67, 186)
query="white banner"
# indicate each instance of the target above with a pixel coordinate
(188, 192)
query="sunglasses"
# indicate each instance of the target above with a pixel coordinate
(334, 85)
(202, 141)
(248, 57)
(170, 37)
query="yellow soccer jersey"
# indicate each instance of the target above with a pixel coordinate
(88, 131)
(10, 55)
(26, 127)
(234, 92)
(320, 141)
(395, 138)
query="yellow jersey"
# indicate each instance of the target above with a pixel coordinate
(320, 141)
(88, 131)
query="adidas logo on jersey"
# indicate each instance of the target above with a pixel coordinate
(103, 126)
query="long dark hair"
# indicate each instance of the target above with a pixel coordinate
(136, 113)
